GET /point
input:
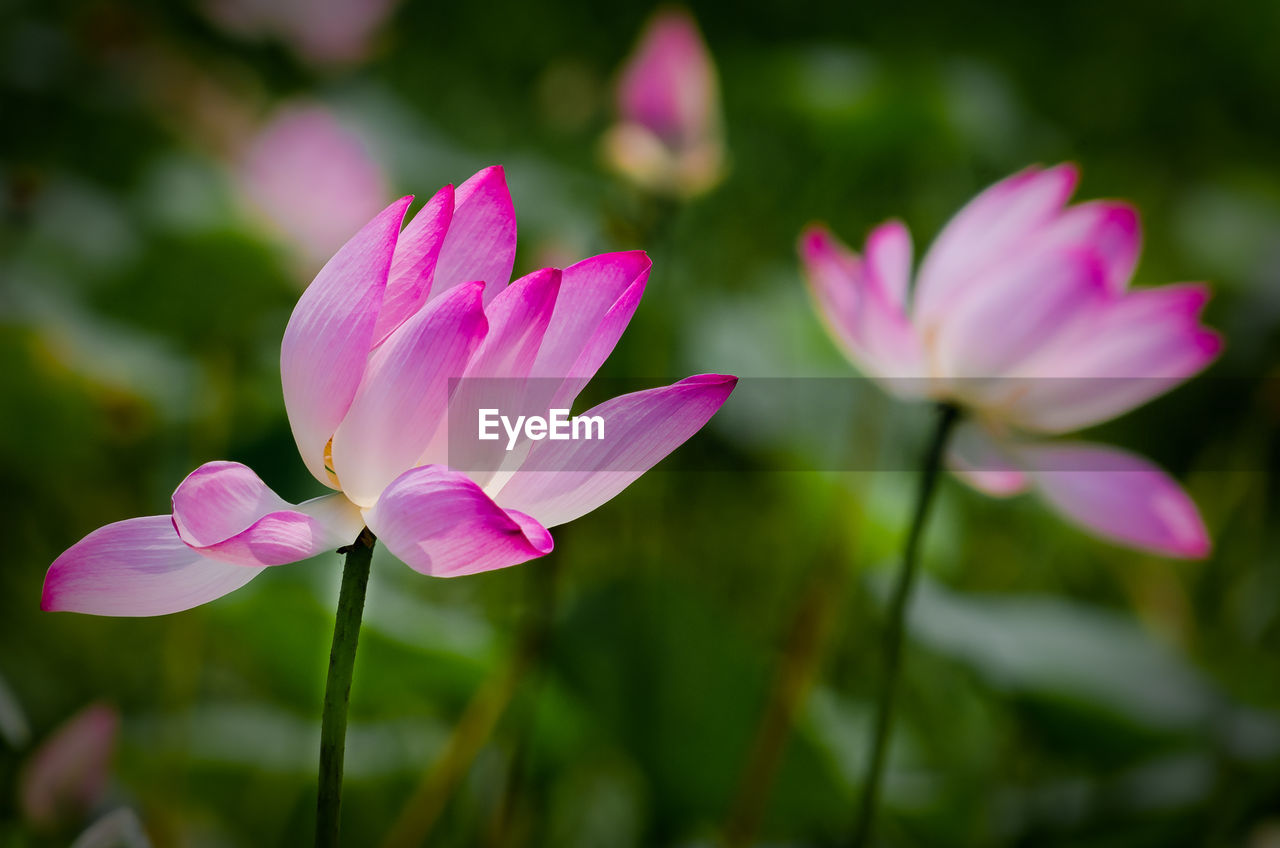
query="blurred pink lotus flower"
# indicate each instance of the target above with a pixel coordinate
(323, 32)
(67, 775)
(368, 367)
(669, 137)
(312, 179)
(1022, 315)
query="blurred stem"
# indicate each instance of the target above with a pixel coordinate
(896, 626)
(419, 815)
(337, 690)
(809, 625)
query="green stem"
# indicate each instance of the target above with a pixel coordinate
(896, 627)
(337, 689)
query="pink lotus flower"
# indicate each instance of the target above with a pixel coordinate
(368, 364)
(312, 179)
(669, 138)
(1022, 315)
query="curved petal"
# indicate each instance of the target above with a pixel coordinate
(440, 523)
(984, 231)
(1109, 229)
(1018, 312)
(414, 264)
(871, 328)
(224, 510)
(481, 242)
(595, 303)
(495, 376)
(562, 480)
(1118, 496)
(137, 567)
(405, 394)
(889, 261)
(1139, 346)
(979, 460)
(329, 334)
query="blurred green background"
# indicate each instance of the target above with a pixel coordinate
(1059, 691)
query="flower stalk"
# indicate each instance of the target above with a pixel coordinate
(896, 625)
(337, 690)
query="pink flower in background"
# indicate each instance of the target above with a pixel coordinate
(669, 137)
(312, 179)
(369, 364)
(67, 775)
(1022, 314)
(323, 32)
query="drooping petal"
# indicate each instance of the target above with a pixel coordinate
(137, 567)
(1139, 346)
(562, 480)
(985, 231)
(976, 457)
(1118, 496)
(414, 264)
(326, 343)
(481, 242)
(402, 402)
(227, 512)
(872, 330)
(440, 523)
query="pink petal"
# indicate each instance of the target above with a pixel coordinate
(562, 480)
(402, 401)
(440, 523)
(669, 85)
(889, 261)
(67, 775)
(481, 242)
(326, 343)
(1118, 496)
(595, 303)
(1139, 346)
(1018, 311)
(414, 263)
(991, 226)
(1111, 231)
(982, 462)
(518, 319)
(865, 320)
(137, 567)
(228, 513)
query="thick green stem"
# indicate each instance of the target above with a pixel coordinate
(896, 626)
(337, 690)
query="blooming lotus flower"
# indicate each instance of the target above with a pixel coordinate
(368, 367)
(669, 137)
(312, 179)
(1022, 315)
